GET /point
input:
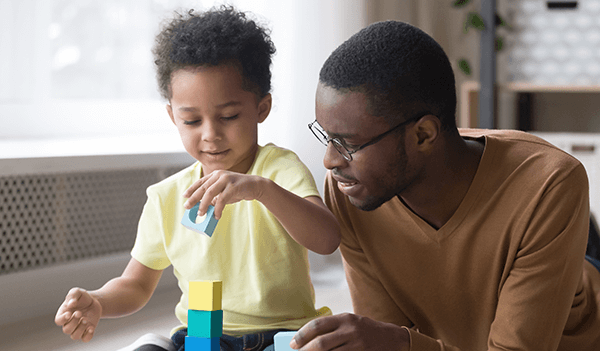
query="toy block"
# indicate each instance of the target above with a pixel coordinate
(204, 225)
(205, 295)
(205, 324)
(193, 343)
(283, 339)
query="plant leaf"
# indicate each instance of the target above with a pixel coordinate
(499, 43)
(460, 3)
(500, 22)
(464, 66)
(474, 20)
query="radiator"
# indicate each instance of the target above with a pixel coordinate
(62, 218)
(68, 222)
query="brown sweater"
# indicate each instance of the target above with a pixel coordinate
(506, 272)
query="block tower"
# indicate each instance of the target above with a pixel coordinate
(205, 316)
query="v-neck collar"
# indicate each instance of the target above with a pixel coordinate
(470, 199)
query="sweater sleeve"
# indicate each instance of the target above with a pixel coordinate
(535, 300)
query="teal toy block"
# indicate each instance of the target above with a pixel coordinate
(193, 343)
(282, 340)
(206, 226)
(205, 324)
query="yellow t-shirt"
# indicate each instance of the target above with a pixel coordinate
(265, 273)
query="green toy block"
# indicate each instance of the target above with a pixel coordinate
(282, 340)
(205, 295)
(205, 324)
(193, 343)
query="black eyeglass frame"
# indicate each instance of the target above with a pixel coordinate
(337, 143)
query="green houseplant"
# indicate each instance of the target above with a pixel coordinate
(474, 20)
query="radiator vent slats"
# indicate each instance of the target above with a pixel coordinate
(59, 218)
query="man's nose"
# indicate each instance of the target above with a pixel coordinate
(332, 158)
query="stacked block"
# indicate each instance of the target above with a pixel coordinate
(204, 225)
(205, 316)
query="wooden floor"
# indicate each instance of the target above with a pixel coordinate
(156, 317)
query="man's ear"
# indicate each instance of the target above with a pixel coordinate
(427, 130)
(170, 112)
(264, 107)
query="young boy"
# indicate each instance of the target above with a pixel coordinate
(214, 70)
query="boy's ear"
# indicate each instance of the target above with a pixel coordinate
(264, 107)
(170, 112)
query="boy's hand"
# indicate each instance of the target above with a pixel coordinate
(79, 315)
(221, 188)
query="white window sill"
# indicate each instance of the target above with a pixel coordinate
(34, 156)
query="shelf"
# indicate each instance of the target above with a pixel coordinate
(524, 91)
(523, 87)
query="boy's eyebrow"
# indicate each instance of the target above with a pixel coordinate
(230, 103)
(226, 104)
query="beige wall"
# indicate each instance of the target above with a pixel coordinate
(440, 20)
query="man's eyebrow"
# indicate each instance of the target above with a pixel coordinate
(340, 135)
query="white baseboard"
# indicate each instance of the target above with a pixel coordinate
(40, 292)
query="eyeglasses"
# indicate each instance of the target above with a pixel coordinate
(338, 144)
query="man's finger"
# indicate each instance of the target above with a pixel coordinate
(313, 329)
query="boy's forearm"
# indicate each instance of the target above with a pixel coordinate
(307, 220)
(121, 297)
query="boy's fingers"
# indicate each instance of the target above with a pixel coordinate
(80, 329)
(74, 293)
(70, 326)
(193, 199)
(62, 319)
(189, 191)
(88, 334)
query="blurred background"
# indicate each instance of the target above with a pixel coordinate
(83, 130)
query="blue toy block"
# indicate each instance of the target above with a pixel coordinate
(205, 324)
(282, 340)
(193, 343)
(207, 226)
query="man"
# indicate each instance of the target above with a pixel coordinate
(451, 240)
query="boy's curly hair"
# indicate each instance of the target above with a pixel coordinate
(402, 71)
(219, 36)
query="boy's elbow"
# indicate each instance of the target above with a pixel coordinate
(331, 244)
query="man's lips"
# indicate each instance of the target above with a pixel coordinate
(344, 181)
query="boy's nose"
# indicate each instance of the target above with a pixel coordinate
(210, 131)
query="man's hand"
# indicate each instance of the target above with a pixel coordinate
(79, 315)
(350, 332)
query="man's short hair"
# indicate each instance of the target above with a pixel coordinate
(401, 70)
